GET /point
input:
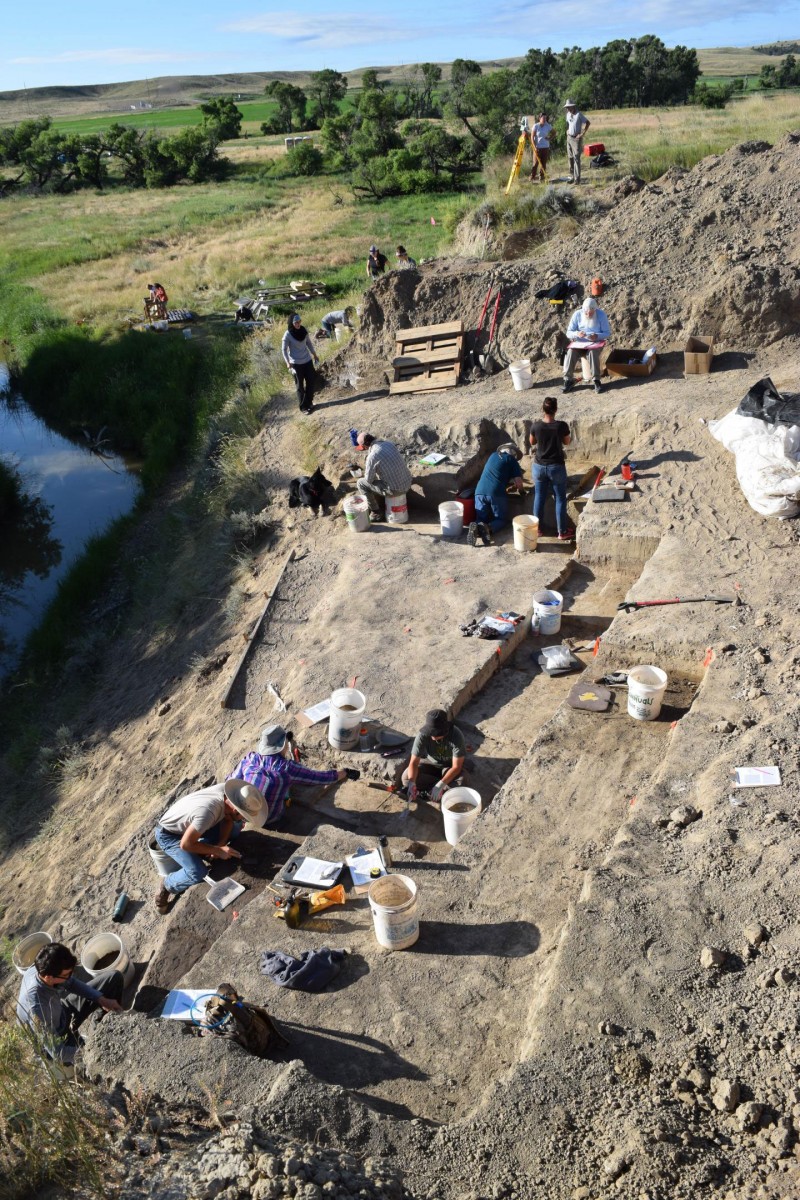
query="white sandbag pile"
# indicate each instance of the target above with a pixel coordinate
(763, 434)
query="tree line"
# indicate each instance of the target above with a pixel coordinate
(784, 76)
(384, 138)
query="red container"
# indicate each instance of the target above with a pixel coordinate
(468, 503)
(594, 148)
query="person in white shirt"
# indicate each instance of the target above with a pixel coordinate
(540, 139)
(588, 324)
(577, 124)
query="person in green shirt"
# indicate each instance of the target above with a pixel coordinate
(439, 749)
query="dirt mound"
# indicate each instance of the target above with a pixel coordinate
(713, 250)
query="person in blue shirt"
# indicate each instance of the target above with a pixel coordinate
(491, 501)
(589, 324)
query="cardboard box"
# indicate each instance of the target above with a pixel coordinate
(630, 362)
(698, 354)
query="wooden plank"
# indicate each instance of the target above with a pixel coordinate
(450, 345)
(425, 356)
(430, 369)
(226, 695)
(424, 383)
(426, 331)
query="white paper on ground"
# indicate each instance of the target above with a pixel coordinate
(179, 1004)
(316, 872)
(757, 776)
(432, 460)
(318, 712)
(361, 865)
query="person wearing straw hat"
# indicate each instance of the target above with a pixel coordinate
(272, 771)
(200, 825)
(53, 1004)
(577, 124)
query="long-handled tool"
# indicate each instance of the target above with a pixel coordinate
(633, 605)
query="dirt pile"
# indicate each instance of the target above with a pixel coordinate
(713, 250)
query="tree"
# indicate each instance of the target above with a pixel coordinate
(419, 89)
(369, 80)
(291, 103)
(304, 159)
(462, 71)
(487, 110)
(222, 114)
(127, 145)
(327, 89)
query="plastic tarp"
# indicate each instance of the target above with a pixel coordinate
(767, 454)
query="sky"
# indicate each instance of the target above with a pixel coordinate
(95, 41)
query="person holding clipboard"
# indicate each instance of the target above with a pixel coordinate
(588, 332)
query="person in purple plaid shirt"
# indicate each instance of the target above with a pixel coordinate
(268, 770)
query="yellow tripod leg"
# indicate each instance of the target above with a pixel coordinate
(517, 161)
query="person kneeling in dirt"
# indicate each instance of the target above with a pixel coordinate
(439, 750)
(200, 825)
(273, 773)
(385, 474)
(491, 500)
(53, 1004)
(340, 316)
(590, 324)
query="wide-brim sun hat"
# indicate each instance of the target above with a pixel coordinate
(248, 800)
(570, 104)
(272, 739)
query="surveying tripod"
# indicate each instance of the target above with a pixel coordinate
(525, 137)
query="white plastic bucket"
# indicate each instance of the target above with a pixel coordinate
(646, 687)
(521, 374)
(101, 946)
(586, 367)
(547, 607)
(344, 724)
(27, 948)
(397, 509)
(393, 900)
(341, 333)
(460, 807)
(356, 511)
(164, 863)
(451, 518)
(526, 532)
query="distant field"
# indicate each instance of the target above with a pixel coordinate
(734, 60)
(175, 98)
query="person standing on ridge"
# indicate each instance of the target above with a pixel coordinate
(540, 138)
(577, 124)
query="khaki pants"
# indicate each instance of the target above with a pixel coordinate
(572, 357)
(574, 156)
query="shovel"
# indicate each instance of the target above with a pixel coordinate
(633, 605)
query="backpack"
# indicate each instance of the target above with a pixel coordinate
(602, 160)
(559, 291)
(244, 313)
(227, 1015)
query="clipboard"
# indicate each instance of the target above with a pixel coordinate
(305, 871)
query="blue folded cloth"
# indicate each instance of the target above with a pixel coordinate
(311, 972)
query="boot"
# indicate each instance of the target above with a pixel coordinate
(162, 901)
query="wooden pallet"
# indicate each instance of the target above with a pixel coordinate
(428, 358)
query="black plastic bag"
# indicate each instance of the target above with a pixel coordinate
(765, 403)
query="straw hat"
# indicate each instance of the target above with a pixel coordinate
(570, 104)
(248, 801)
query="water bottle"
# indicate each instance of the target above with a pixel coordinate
(120, 907)
(354, 436)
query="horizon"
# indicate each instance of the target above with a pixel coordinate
(43, 48)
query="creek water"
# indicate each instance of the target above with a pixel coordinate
(72, 494)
